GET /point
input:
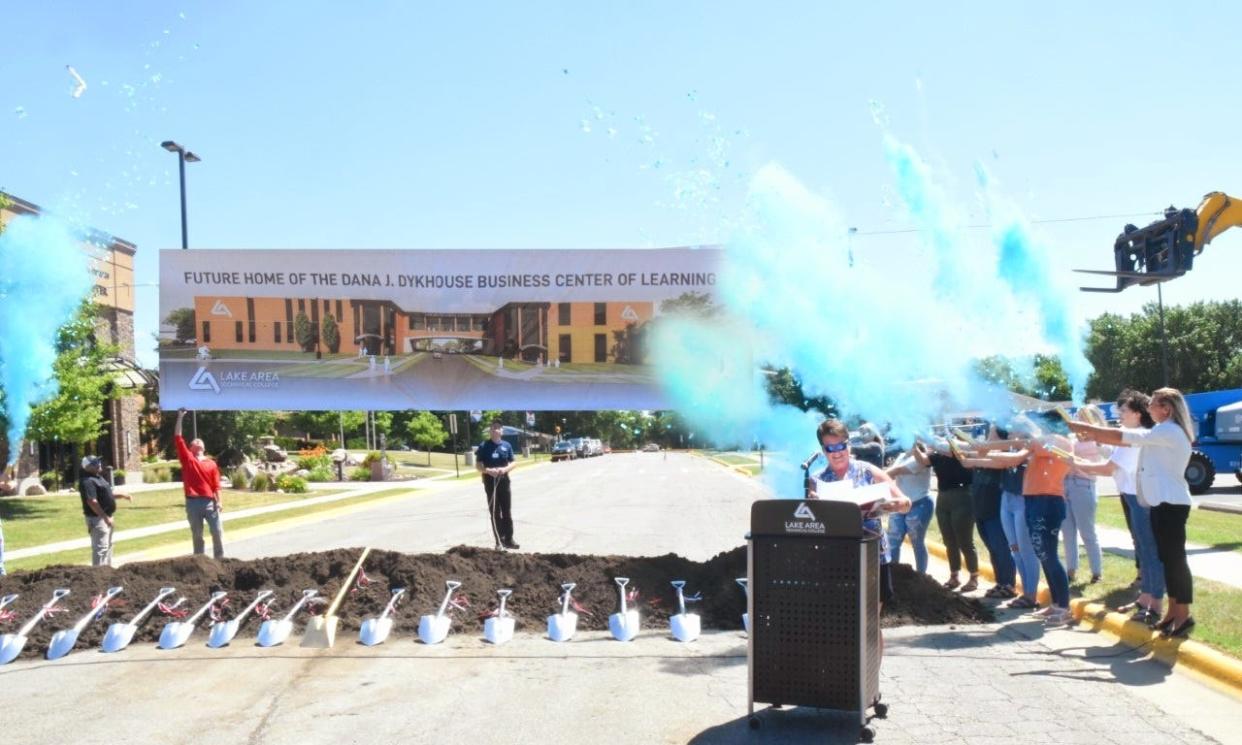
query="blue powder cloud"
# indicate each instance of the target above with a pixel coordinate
(45, 278)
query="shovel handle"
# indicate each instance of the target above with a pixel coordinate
(8, 599)
(349, 581)
(392, 602)
(680, 586)
(163, 593)
(263, 595)
(568, 587)
(451, 587)
(215, 598)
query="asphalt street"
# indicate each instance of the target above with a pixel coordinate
(1009, 682)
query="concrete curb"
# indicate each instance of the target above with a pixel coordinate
(730, 466)
(1217, 668)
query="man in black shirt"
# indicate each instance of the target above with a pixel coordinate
(98, 505)
(494, 459)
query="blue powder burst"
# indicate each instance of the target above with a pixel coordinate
(891, 339)
(45, 279)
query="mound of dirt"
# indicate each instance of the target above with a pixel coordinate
(534, 578)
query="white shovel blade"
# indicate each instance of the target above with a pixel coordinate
(746, 622)
(374, 631)
(274, 632)
(222, 632)
(561, 626)
(175, 634)
(434, 629)
(624, 626)
(10, 646)
(62, 643)
(118, 636)
(685, 626)
(498, 630)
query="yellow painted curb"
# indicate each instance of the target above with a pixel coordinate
(730, 466)
(1217, 668)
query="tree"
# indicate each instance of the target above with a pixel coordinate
(326, 424)
(785, 387)
(75, 414)
(426, 431)
(690, 303)
(183, 319)
(225, 433)
(331, 334)
(304, 332)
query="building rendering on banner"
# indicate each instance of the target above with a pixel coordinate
(112, 267)
(571, 332)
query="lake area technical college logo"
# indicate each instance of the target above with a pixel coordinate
(804, 521)
(205, 380)
(220, 309)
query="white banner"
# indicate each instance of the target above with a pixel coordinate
(420, 329)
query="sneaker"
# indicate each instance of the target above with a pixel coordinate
(1058, 617)
(511, 544)
(1095, 579)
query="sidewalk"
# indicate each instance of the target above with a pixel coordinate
(1220, 565)
(123, 535)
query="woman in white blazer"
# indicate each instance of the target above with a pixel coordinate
(1164, 452)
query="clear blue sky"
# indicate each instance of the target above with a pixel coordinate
(330, 125)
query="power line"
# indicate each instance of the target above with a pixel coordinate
(977, 226)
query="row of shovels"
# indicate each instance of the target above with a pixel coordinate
(320, 631)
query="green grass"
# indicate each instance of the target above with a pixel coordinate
(35, 521)
(443, 461)
(1217, 608)
(1220, 530)
(488, 364)
(737, 460)
(82, 556)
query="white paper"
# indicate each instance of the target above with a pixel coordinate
(845, 491)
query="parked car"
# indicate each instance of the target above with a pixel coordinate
(580, 446)
(563, 450)
(594, 447)
(651, 447)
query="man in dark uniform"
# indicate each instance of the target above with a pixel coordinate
(98, 506)
(494, 459)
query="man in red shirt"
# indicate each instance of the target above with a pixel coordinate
(200, 477)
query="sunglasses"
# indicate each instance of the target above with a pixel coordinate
(836, 448)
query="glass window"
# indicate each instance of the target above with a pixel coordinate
(562, 314)
(601, 314)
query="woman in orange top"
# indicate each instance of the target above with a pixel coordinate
(1048, 459)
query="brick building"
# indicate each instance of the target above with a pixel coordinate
(579, 332)
(112, 267)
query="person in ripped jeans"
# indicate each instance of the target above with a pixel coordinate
(200, 477)
(912, 472)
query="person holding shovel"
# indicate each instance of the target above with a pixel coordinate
(98, 506)
(200, 477)
(494, 459)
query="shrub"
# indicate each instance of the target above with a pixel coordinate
(311, 462)
(360, 473)
(48, 479)
(356, 443)
(157, 475)
(291, 484)
(321, 474)
(371, 457)
(261, 482)
(118, 476)
(239, 478)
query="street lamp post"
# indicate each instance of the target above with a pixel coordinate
(183, 156)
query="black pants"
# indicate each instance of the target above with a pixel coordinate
(1168, 524)
(501, 514)
(955, 515)
(1125, 510)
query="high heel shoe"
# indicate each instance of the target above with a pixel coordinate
(1181, 632)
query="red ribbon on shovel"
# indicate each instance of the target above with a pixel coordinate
(363, 582)
(263, 611)
(217, 610)
(7, 615)
(175, 610)
(100, 605)
(579, 607)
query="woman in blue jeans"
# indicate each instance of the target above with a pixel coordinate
(985, 490)
(1013, 513)
(912, 471)
(1122, 466)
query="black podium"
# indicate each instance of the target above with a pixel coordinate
(814, 605)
